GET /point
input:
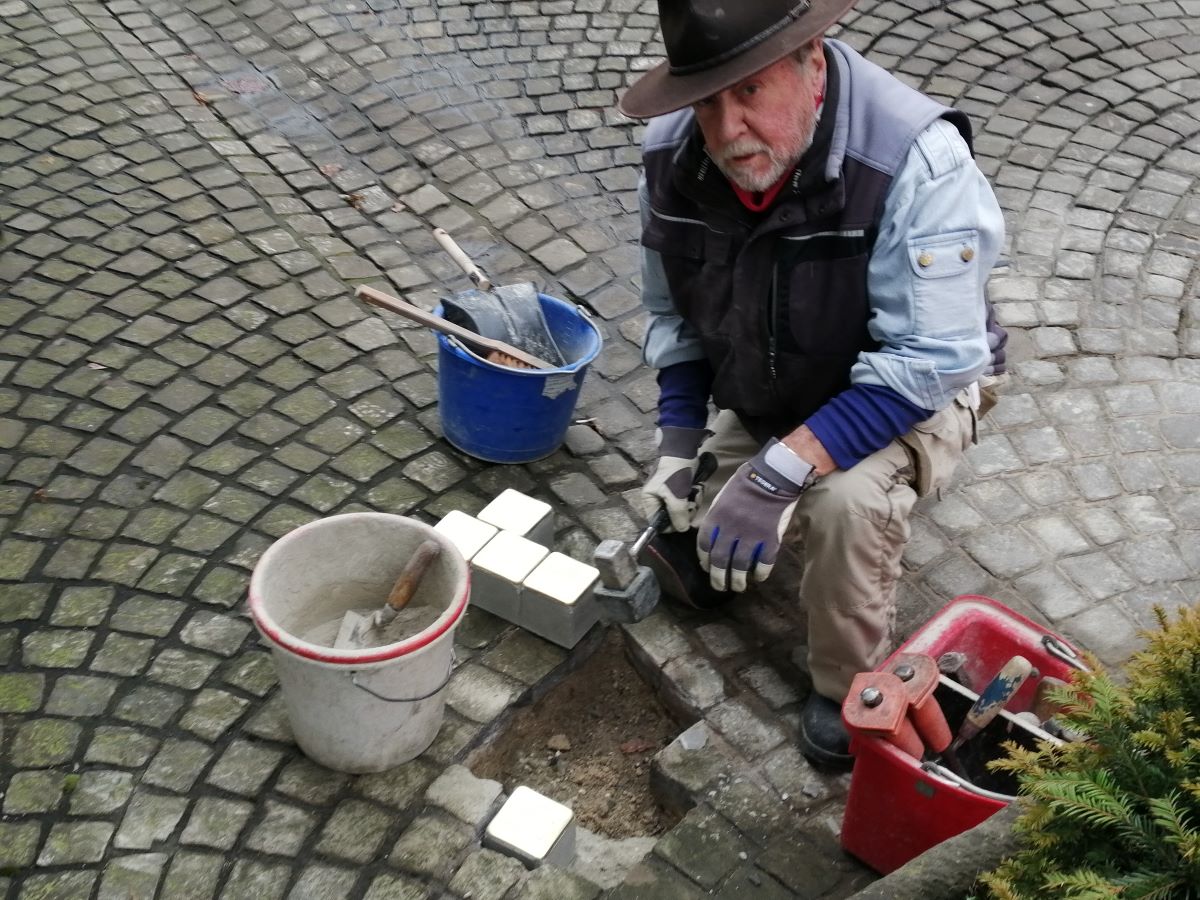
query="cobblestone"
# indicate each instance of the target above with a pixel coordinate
(101, 792)
(133, 875)
(149, 819)
(354, 832)
(463, 795)
(184, 377)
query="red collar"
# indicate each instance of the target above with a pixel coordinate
(759, 201)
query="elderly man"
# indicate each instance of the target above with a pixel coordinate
(816, 241)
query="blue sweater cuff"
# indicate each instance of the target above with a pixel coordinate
(861, 420)
(683, 391)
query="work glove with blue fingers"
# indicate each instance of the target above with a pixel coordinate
(745, 525)
(670, 485)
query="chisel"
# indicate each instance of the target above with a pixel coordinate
(705, 466)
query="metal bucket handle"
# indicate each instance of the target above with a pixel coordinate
(459, 345)
(1063, 652)
(935, 770)
(445, 681)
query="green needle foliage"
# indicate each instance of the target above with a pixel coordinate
(1118, 813)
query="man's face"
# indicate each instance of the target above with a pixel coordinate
(759, 128)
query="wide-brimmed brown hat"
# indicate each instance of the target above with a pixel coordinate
(713, 44)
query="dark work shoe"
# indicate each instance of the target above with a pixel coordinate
(823, 737)
(672, 558)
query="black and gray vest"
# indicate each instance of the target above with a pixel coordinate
(779, 299)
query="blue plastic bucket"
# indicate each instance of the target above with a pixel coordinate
(505, 415)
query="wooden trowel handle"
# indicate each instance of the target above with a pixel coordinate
(437, 323)
(414, 570)
(464, 262)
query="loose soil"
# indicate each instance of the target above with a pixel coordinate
(588, 744)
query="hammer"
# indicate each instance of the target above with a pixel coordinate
(991, 700)
(628, 591)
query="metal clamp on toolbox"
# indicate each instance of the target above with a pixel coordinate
(898, 705)
(878, 705)
(919, 674)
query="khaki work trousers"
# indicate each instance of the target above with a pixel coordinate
(849, 530)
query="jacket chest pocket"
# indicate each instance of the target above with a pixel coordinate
(698, 262)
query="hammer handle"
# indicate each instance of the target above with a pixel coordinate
(657, 523)
(993, 698)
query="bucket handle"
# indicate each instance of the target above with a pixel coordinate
(445, 681)
(459, 345)
(1064, 652)
(932, 768)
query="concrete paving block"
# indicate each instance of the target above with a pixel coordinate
(498, 571)
(460, 793)
(654, 642)
(691, 684)
(484, 875)
(704, 846)
(520, 513)
(534, 829)
(685, 767)
(558, 602)
(553, 883)
(599, 859)
(631, 604)
(468, 533)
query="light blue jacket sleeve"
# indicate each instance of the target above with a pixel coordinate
(669, 339)
(941, 232)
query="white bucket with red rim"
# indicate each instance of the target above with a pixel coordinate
(369, 709)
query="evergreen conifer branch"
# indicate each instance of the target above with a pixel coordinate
(1116, 815)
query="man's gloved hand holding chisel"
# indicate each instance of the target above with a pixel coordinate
(671, 486)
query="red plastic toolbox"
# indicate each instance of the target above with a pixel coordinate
(896, 809)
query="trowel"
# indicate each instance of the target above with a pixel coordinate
(358, 630)
(510, 312)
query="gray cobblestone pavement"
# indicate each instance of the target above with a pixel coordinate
(189, 191)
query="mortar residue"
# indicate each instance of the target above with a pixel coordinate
(410, 621)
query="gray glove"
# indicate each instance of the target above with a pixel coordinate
(671, 482)
(747, 520)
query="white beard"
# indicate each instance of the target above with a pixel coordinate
(780, 162)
